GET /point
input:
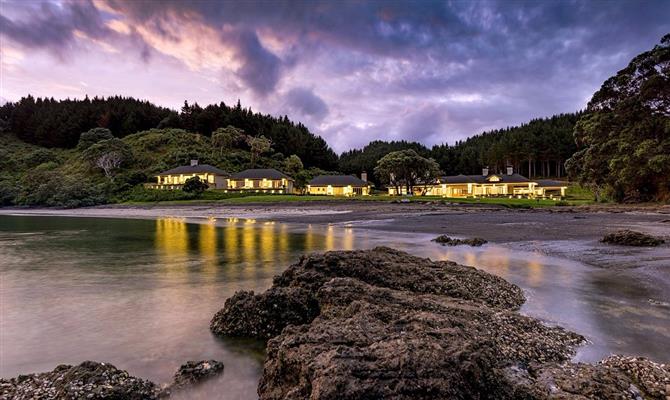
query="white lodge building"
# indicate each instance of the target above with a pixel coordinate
(249, 180)
(266, 180)
(174, 178)
(489, 185)
(338, 185)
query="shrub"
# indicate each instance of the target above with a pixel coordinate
(194, 185)
(39, 156)
(93, 136)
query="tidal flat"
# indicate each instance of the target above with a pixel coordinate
(137, 286)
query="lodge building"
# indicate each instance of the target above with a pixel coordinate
(250, 180)
(509, 184)
(339, 185)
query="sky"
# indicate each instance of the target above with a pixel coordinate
(351, 71)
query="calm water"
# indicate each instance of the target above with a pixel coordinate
(139, 294)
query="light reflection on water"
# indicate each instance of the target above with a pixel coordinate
(140, 294)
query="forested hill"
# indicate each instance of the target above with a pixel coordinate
(537, 148)
(59, 123)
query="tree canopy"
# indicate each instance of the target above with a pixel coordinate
(624, 137)
(59, 123)
(406, 168)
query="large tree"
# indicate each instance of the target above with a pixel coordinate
(406, 168)
(624, 137)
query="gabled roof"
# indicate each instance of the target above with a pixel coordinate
(504, 178)
(337, 180)
(514, 178)
(194, 169)
(550, 183)
(260, 173)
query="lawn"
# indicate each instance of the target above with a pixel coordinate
(220, 197)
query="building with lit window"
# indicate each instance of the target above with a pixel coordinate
(262, 180)
(176, 177)
(338, 185)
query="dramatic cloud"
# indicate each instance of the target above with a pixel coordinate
(305, 102)
(433, 71)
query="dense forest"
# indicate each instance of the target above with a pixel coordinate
(624, 137)
(538, 148)
(59, 123)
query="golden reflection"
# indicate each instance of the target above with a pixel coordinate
(535, 272)
(207, 238)
(231, 244)
(249, 249)
(470, 258)
(309, 239)
(348, 239)
(330, 238)
(283, 244)
(267, 242)
(172, 239)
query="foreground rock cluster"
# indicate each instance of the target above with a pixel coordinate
(445, 240)
(98, 381)
(384, 324)
(627, 237)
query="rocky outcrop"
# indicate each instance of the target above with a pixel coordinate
(615, 377)
(384, 324)
(445, 240)
(194, 372)
(631, 238)
(88, 380)
(97, 381)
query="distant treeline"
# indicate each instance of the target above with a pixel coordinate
(537, 148)
(59, 123)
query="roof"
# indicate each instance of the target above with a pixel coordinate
(194, 169)
(550, 183)
(504, 178)
(337, 180)
(260, 173)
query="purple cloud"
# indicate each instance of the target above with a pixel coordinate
(432, 71)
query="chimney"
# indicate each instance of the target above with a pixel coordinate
(510, 170)
(194, 163)
(364, 176)
(485, 171)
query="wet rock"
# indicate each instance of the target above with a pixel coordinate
(194, 372)
(98, 381)
(384, 324)
(88, 380)
(391, 325)
(631, 238)
(445, 240)
(265, 315)
(373, 342)
(616, 377)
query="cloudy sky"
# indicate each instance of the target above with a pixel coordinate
(352, 71)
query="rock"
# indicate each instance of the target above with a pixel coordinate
(265, 315)
(194, 372)
(88, 380)
(94, 380)
(616, 377)
(631, 238)
(445, 240)
(391, 325)
(384, 324)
